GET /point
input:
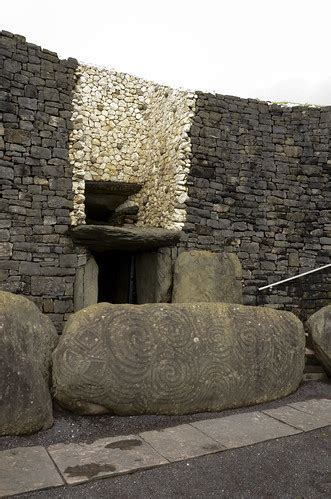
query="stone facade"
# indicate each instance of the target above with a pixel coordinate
(132, 130)
(234, 175)
(37, 258)
(258, 186)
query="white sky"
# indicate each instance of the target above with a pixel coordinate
(277, 50)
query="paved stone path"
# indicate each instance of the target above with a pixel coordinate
(27, 469)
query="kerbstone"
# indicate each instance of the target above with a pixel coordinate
(27, 339)
(176, 358)
(319, 330)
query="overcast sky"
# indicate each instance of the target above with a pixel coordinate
(277, 50)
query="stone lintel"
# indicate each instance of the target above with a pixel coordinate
(106, 237)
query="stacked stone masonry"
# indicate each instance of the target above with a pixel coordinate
(132, 130)
(235, 175)
(37, 258)
(259, 186)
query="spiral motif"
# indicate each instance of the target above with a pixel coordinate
(177, 358)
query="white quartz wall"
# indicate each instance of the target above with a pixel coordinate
(132, 130)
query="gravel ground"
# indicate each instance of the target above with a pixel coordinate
(71, 428)
(296, 466)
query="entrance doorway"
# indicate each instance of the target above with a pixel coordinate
(116, 278)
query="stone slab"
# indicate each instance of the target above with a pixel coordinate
(181, 442)
(26, 469)
(244, 429)
(112, 187)
(316, 407)
(153, 277)
(204, 276)
(105, 457)
(107, 237)
(86, 285)
(301, 420)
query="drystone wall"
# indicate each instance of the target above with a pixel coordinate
(37, 258)
(234, 174)
(259, 186)
(132, 130)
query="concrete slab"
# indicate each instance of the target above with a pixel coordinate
(109, 456)
(244, 429)
(26, 469)
(301, 420)
(181, 442)
(317, 407)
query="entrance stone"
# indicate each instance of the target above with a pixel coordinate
(203, 276)
(319, 329)
(154, 277)
(27, 338)
(176, 358)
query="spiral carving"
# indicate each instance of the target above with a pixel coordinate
(176, 358)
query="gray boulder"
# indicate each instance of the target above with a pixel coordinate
(319, 329)
(176, 358)
(27, 339)
(203, 276)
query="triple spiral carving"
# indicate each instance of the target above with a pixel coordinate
(177, 358)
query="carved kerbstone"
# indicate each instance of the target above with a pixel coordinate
(176, 358)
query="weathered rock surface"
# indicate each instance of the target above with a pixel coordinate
(176, 358)
(153, 277)
(27, 339)
(86, 285)
(319, 329)
(203, 276)
(107, 237)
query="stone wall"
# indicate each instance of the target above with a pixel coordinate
(132, 130)
(37, 259)
(237, 175)
(258, 186)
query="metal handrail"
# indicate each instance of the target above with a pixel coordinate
(294, 277)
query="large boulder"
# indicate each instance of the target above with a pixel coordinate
(319, 329)
(203, 276)
(27, 339)
(176, 358)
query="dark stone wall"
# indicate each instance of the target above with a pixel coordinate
(259, 186)
(37, 259)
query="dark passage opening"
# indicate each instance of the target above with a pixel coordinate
(108, 202)
(116, 281)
